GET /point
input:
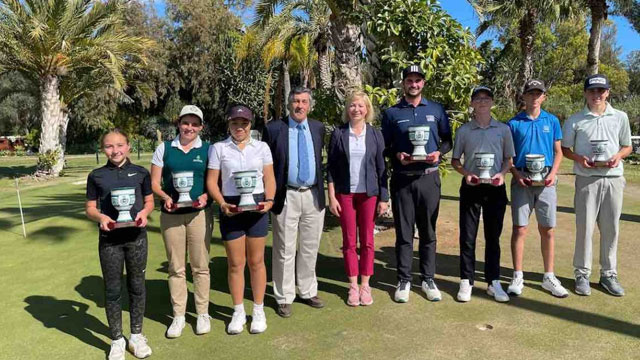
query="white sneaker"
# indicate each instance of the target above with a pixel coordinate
(495, 290)
(138, 346)
(402, 292)
(117, 349)
(175, 329)
(552, 284)
(429, 287)
(258, 322)
(464, 294)
(237, 323)
(516, 286)
(203, 324)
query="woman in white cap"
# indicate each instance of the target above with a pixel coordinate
(186, 227)
(243, 228)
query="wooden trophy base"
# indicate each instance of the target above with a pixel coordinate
(119, 225)
(530, 182)
(493, 182)
(237, 209)
(599, 163)
(185, 204)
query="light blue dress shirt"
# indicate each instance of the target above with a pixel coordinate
(293, 155)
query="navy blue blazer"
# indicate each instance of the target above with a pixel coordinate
(374, 165)
(276, 135)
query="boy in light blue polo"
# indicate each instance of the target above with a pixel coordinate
(535, 131)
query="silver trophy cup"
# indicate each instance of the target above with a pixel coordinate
(599, 152)
(183, 182)
(122, 200)
(245, 182)
(419, 136)
(535, 166)
(484, 163)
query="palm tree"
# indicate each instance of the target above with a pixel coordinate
(69, 48)
(599, 12)
(328, 24)
(527, 13)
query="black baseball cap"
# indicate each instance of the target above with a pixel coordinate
(597, 81)
(481, 88)
(412, 69)
(239, 111)
(534, 84)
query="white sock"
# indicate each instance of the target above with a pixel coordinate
(517, 274)
(258, 307)
(133, 336)
(238, 308)
(548, 275)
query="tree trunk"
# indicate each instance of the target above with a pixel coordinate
(347, 41)
(527, 34)
(267, 98)
(287, 85)
(53, 122)
(325, 68)
(278, 97)
(598, 15)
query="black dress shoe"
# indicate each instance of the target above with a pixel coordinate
(284, 310)
(314, 302)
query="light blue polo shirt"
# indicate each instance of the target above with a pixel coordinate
(534, 136)
(293, 155)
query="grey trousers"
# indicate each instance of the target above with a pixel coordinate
(298, 225)
(598, 200)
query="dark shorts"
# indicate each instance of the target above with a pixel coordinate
(251, 223)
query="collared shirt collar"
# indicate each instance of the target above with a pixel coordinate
(111, 165)
(293, 123)
(403, 102)
(607, 111)
(196, 144)
(363, 133)
(229, 142)
(475, 125)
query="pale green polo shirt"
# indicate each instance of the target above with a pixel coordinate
(584, 126)
(472, 138)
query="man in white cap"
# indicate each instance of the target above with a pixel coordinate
(599, 185)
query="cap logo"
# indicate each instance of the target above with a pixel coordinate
(534, 83)
(414, 68)
(598, 80)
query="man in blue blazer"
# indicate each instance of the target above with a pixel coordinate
(297, 217)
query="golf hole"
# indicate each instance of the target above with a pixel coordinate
(483, 327)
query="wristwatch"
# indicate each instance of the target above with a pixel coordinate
(269, 200)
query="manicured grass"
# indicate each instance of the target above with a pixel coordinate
(53, 307)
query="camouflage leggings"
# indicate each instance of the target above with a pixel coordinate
(113, 256)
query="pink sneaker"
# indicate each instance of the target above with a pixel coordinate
(365, 295)
(354, 298)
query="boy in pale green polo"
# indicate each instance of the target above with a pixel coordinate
(598, 190)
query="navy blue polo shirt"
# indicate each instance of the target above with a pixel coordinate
(102, 180)
(396, 121)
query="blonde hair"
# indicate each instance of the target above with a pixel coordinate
(367, 103)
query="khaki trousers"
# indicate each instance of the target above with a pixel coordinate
(598, 200)
(190, 233)
(300, 223)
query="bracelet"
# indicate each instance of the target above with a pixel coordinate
(269, 200)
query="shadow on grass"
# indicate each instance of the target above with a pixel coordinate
(57, 233)
(11, 172)
(65, 205)
(448, 265)
(69, 317)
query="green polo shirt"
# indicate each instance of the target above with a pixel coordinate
(176, 160)
(495, 138)
(581, 128)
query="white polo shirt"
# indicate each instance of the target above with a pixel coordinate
(580, 128)
(228, 158)
(357, 151)
(158, 154)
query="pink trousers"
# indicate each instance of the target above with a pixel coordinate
(358, 212)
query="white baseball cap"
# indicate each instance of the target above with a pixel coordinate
(191, 110)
